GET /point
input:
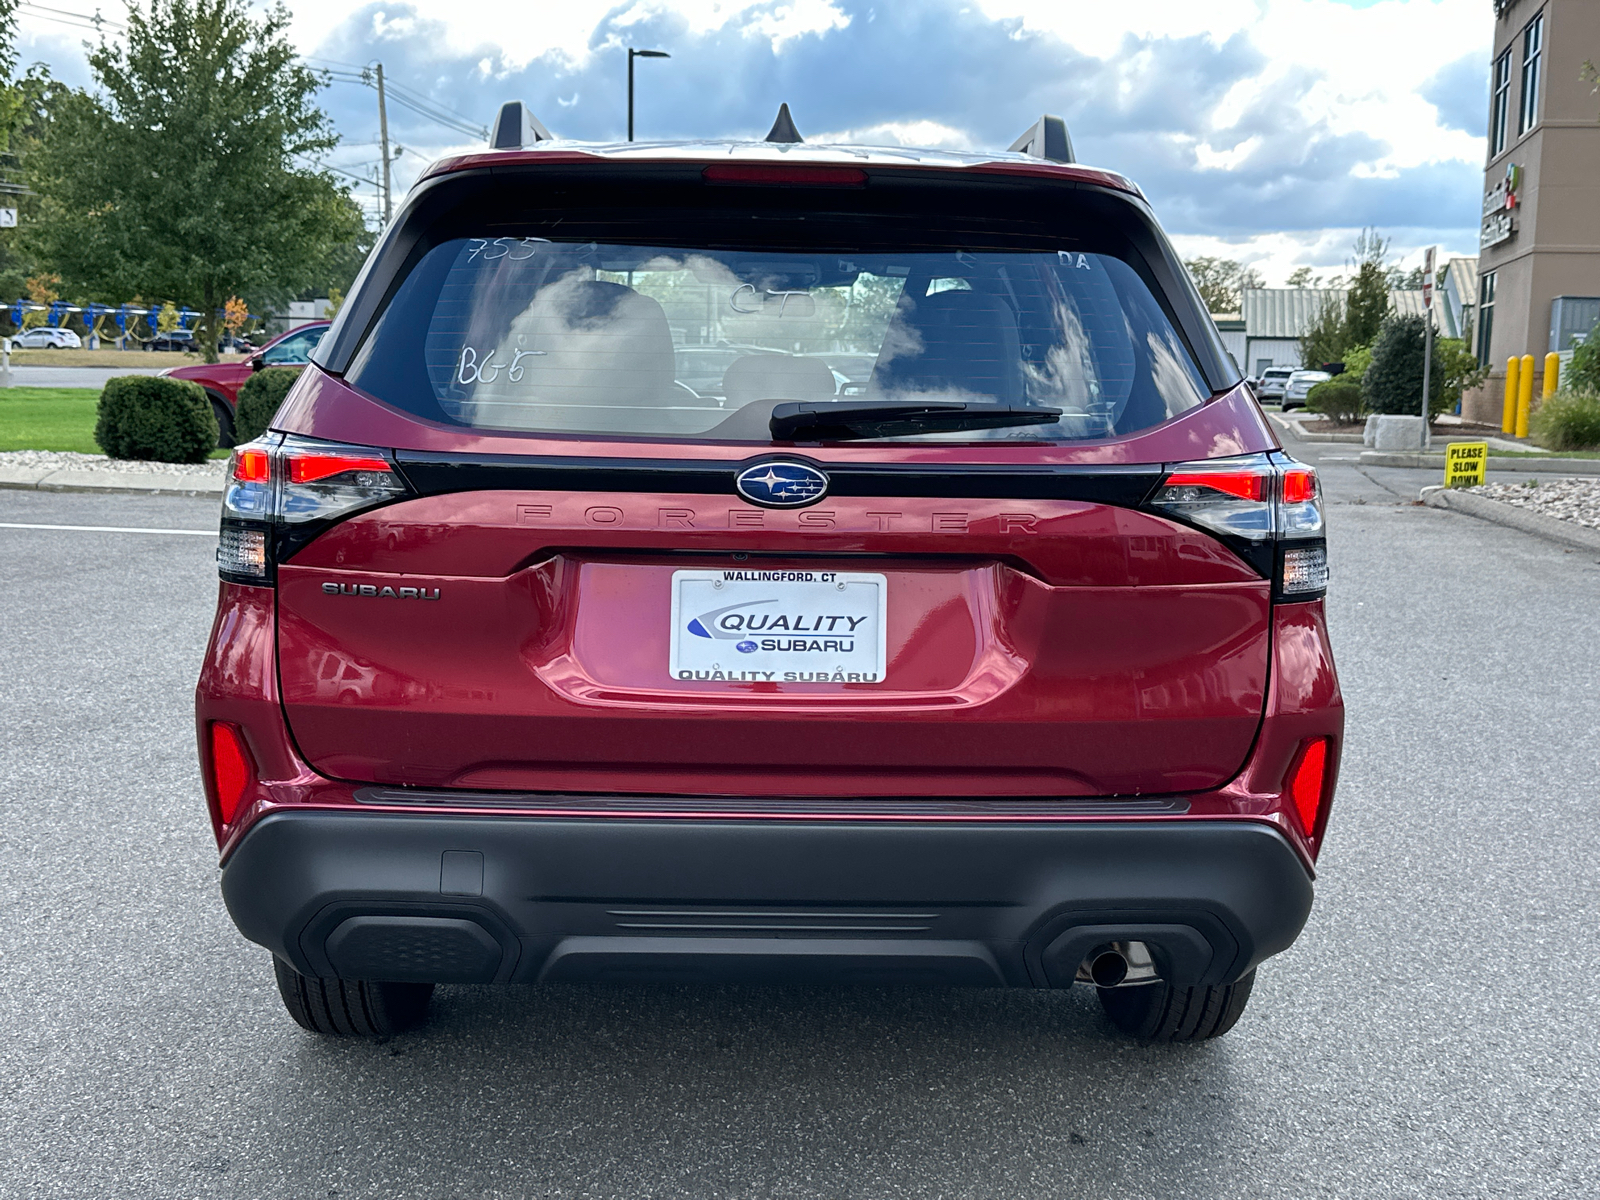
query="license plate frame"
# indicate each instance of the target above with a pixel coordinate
(784, 626)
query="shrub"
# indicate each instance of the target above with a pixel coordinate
(1393, 383)
(259, 400)
(1338, 399)
(1584, 374)
(1568, 420)
(161, 420)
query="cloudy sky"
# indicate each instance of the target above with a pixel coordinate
(1265, 130)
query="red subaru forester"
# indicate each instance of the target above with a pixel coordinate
(1005, 667)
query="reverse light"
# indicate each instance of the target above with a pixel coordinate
(232, 769)
(1306, 785)
(1304, 571)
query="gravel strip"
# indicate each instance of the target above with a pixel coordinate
(1575, 500)
(70, 460)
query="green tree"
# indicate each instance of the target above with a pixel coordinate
(1367, 302)
(1221, 280)
(185, 176)
(1458, 368)
(1393, 383)
(1326, 339)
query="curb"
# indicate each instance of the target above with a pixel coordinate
(59, 479)
(1515, 466)
(1512, 517)
(1299, 434)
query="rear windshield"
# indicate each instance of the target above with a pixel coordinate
(541, 335)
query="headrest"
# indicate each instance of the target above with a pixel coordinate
(585, 354)
(776, 377)
(957, 343)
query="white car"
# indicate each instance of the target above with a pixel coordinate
(1272, 382)
(46, 338)
(1300, 383)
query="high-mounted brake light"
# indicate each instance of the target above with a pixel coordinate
(1306, 785)
(798, 175)
(232, 769)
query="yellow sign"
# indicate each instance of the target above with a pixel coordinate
(1465, 463)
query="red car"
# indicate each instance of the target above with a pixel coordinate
(532, 664)
(222, 380)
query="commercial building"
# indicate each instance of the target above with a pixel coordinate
(1275, 319)
(1539, 261)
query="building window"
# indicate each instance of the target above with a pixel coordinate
(1485, 317)
(1500, 116)
(1532, 56)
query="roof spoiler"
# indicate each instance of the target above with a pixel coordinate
(1047, 138)
(516, 127)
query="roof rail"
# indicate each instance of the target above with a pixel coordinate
(516, 127)
(1047, 138)
(783, 129)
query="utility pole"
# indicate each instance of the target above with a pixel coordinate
(383, 145)
(633, 54)
(1428, 281)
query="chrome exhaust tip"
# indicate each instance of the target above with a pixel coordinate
(1119, 964)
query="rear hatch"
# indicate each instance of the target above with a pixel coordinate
(586, 575)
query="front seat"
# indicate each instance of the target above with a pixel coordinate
(956, 343)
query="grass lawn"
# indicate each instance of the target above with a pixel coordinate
(51, 419)
(48, 419)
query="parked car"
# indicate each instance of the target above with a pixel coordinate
(173, 339)
(1300, 383)
(1012, 670)
(1272, 383)
(46, 337)
(700, 368)
(222, 380)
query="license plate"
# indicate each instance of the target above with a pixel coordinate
(753, 626)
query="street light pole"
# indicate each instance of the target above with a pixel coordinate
(633, 54)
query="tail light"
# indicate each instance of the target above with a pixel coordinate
(283, 491)
(232, 769)
(1266, 507)
(1307, 785)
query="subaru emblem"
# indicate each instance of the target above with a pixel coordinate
(781, 484)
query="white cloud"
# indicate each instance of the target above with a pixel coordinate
(925, 134)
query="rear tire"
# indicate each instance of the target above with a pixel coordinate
(358, 1008)
(1159, 1012)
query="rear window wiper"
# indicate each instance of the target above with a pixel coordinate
(794, 421)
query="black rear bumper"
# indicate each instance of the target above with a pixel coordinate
(470, 899)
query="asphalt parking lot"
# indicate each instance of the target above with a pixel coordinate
(1433, 1034)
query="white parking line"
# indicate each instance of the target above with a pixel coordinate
(211, 533)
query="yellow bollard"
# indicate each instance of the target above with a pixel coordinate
(1552, 373)
(1524, 395)
(1508, 417)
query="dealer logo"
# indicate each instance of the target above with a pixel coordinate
(781, 484)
